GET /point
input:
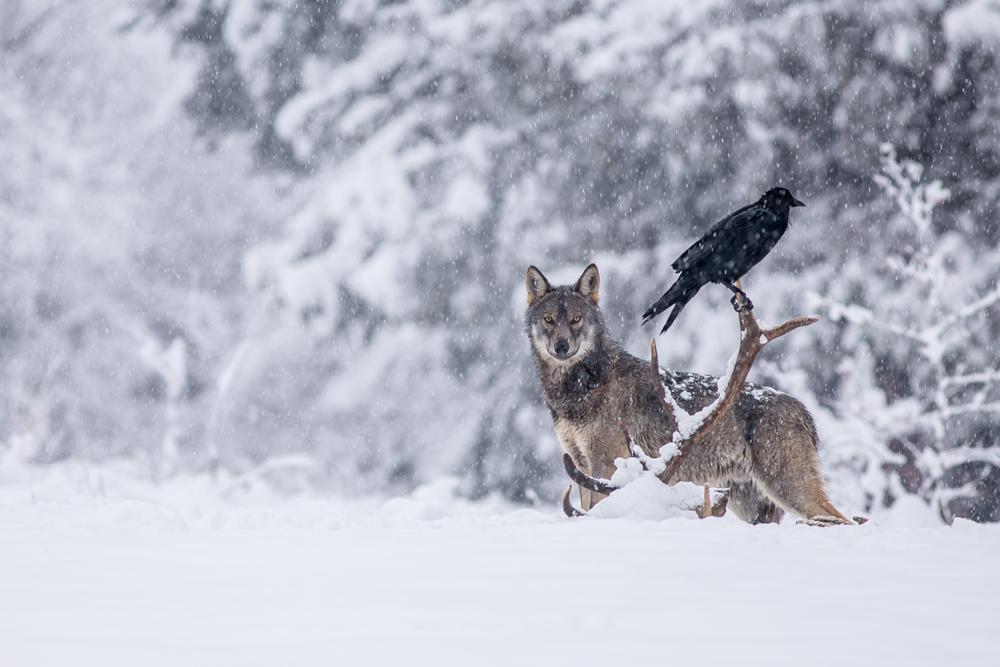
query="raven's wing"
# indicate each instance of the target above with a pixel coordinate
(717, 237)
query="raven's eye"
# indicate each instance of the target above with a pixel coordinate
(548, 319)
(576, 319)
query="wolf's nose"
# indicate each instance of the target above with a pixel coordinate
(562, 347)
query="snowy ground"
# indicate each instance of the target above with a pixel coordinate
(91, 575)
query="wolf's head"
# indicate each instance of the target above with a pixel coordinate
(563, 323)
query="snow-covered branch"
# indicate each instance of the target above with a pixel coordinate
(926, 338)
(972, 378)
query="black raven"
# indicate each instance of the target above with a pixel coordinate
(730, 248)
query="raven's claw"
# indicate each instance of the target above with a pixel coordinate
(741, 303)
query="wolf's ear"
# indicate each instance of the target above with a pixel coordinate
(538, 286)
(589, 284)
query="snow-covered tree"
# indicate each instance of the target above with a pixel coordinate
(934, 392)
(447, 145)
(120, 242)
(318, 216)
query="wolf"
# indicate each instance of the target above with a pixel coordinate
(600, 396)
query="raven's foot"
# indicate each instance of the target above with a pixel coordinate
(741, 303)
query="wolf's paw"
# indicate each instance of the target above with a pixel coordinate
(822, 521)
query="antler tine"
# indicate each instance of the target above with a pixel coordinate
(790, 325)
(585, 480)
(749, 323)
(654, 366)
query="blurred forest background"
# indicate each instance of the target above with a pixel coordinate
(289, 237)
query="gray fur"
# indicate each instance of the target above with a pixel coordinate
(764, 448)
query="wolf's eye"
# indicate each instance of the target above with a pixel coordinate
(576, 320)
(548, 319)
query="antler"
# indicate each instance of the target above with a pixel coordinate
(753, 338)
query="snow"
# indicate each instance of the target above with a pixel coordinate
(297, 120)
(251, 246)
(95, 570)
(646, 497)
(972, 22)
(688, 423)
(319, 216)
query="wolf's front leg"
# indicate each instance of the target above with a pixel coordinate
(604, 446)
(589, 498)
(602, 470)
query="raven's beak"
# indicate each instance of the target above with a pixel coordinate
(796, 202)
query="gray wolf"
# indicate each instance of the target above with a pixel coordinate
(764, 448)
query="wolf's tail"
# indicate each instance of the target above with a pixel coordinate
(677, 296)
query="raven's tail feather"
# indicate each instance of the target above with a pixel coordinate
(677, 296)
(673, 315)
